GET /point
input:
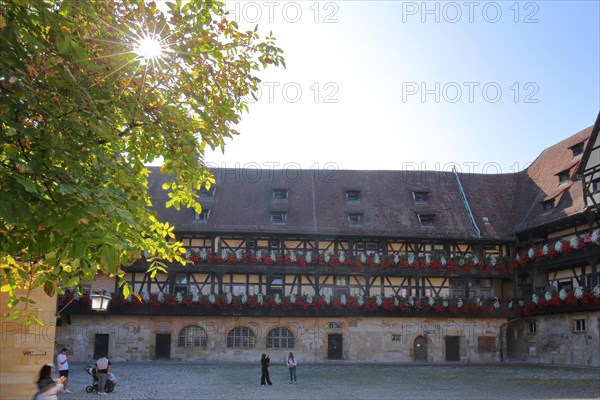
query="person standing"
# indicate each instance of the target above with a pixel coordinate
(291, 363)
(62, 360)
(102, 371)
(264, 377)
(47, 386)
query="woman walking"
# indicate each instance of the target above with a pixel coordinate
(264, 377)
(47, 386)
(291, 363)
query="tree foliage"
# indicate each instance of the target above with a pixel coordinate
(82, 112)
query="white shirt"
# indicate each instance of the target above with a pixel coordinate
(59, 360)
(102, 363)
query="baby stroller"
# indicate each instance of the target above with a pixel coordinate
(94, 387)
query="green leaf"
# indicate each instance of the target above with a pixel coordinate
(109, 257)
(27, 183)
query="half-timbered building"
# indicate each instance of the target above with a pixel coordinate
(377, 266)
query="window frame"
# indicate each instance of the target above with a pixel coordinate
(420, 197)
(241, 337)
(207, 193)
(548, 206)
(280, 335)
(577, 149)
(353, 195)
(355, 219)
(278, 217)
(197, 338)
(203, 216)
(427, 220)
(280, 194)
(579, 325)
(563, 177)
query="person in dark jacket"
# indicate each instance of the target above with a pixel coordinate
(264, 377)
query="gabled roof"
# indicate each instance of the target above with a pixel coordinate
(588, 150)
(539, 183)
(243, 200)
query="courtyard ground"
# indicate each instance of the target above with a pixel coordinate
(179, 380)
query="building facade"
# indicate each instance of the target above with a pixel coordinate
(369, 266)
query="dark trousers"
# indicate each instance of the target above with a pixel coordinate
(264, 377)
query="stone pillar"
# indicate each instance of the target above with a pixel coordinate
(24, 349)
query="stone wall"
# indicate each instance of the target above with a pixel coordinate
(24, 349)
(364, 339)
(557, 339)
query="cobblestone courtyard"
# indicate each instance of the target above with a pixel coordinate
(171, 380)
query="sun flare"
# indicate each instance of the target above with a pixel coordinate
(149, 48)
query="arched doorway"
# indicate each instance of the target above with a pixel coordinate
(420, 349)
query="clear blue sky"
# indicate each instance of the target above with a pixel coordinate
(485, 86)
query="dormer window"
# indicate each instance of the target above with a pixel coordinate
(207, 193)
(203, 216)
(421, 197)
(355, 219)
(278, 217)
(563, 177)
(280, 194)
(577, 149)
(352, 195)
(548, 205)
(426, 220)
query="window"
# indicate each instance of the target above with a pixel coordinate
(426, 220)
(548, 205)
(207, 193)
(241, 337)
(280, 194)
(341, 281)
(532, 327)
(335, 325)
(369, 248)
(203, 216)
(396, 338)
(486, 220)
(486, 344)
(577, 149)
(238, 289)
(276, 285)
(485, 283)
(278, 217)
(421, 197)
(192, 336)
(355, 219)
(352, 195)
(181, 284)
(579, 325)
(456, 283)
(274, 244)
(563, 177)
(596, 186)
(566, 284)
(280, 338)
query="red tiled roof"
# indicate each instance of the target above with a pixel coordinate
(243, 200)
(539, 182)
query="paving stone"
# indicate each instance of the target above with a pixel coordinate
(179, 380)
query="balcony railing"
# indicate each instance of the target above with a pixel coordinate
(328, 306)
(451, 264)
